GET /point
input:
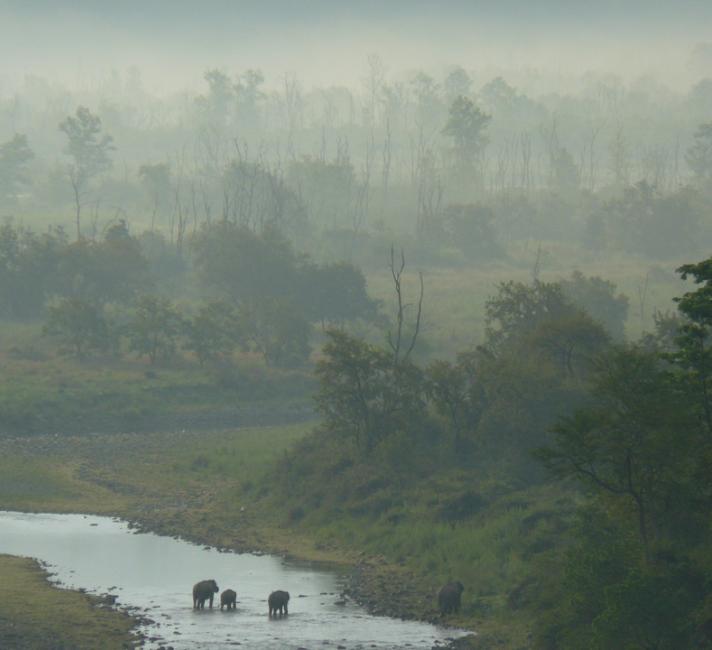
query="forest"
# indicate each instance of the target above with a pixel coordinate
(490, 298)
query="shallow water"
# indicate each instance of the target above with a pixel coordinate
(156, 574)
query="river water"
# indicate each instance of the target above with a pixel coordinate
(156, 574)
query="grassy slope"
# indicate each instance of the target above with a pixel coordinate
(37, 616)
(43, 393)
(210, 487)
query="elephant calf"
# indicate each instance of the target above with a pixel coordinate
(228, 598)
(202, 591)
(449, 597)
(277, 602)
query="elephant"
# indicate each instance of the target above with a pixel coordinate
(228, 598)
(202, 591)
(449, 597)
(278, 602)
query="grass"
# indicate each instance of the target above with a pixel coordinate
(41, 392)
(34, 615)
(213, 487)
(453, 307)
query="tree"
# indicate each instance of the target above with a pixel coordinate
(572, 342)
(89, 151)
(248, 97)
(156, 180)
(457, 84)
(15, 154)
(29, 269)
(661, 226)
(699, 155)
(244, 265)
(466, 126)
(633, 443)
(278, 330)
(471, 229)
(154, 329)
(363, 395)
(112, 270)
(458, 393)
(335, 293)
(519, 309)
(694, 353)
(215, 331)
(219, 101)
(78, 325)
(598, 297)
(401, 349)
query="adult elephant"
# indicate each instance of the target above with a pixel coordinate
(202, 591)
(277, 602)
(449, 597)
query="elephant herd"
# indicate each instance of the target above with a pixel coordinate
(206, 590)
(448, 598)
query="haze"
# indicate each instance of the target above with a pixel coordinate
(327, 42)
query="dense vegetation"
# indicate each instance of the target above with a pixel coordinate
(420, 462)
(506, 417)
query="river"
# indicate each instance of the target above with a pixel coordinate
(156, 574)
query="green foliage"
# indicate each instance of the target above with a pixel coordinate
(243, 265)
(699, 155)
(598, 298)
(365, 396)
(29, 269)
(15, 154)
(518, 309)
(633, 444)
(277, 329)
(328, 188)
(471, 229)
(154, 329)
(639, 570)
(88, 148)
(647, 222)
(35, 267)
(336, 293)
(78, 325)
(466, 126)
(89, 151)
(458, 393)
(262, 274)
(214, 332)
(112, 270)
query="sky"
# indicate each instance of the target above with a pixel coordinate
(327, 42)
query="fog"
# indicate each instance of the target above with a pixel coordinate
(80, 43)
(421, 285)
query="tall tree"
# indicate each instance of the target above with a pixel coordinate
(89, 150)
(15, 154)
(699, 155)
(466, 126)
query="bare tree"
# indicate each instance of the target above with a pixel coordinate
(396, 343)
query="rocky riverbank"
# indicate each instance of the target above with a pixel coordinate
(180, 485)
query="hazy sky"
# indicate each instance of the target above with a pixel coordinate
(326, 42)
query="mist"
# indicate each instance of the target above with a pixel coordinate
(401, 308)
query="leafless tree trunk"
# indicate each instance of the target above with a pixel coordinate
(396, 344)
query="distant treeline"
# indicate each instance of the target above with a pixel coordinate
(456, 169)
(239, 289)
